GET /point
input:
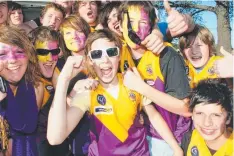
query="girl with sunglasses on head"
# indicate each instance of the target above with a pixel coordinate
(114, 109)
(21, 94)
(45, 41)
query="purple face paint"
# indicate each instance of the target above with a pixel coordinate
(55, 57)
(144, 25)
(9, 52)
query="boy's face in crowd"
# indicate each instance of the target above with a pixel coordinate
(113, 22)
(140, 24)
(210, 120)
(16, 17)
(88, 11)
(198, 53)
(74, 39)
(47, 62)
(52, 18)
(3, 12)
(14, 61)
(105, 67)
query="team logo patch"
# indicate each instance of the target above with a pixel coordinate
(211, 71)
(194, 151)
(101, 99)
(150, 82)
(103, 110)
(149, 69)
(49, 88)
(132, 96)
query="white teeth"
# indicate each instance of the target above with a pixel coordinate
(13, 68)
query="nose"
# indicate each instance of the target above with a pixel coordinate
(207, 121)
(49, 57)
(88, 5)
(52, 20)
(105, 58)
(135, 27)
(16, 14)
(12, 59)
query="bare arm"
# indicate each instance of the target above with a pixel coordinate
(174, 105)
(162, 128)
(62, 118)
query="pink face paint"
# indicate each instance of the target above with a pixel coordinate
(144, 25)
(9, 52)
(55, 57)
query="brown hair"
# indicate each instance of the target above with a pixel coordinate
(104, 33)
(76, 23)
(77, 5)
(203, 34)
(13, 36)
(42, 34)
(57, 7)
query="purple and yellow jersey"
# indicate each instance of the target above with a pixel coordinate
(115, 128)
(197, 146)
(149, 69)
(207, 72)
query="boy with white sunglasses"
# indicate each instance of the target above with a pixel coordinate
(114, 109)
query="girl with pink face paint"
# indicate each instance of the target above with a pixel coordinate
(45, 41)
(74, 31)
(24, 92)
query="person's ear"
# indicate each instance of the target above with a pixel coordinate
(41, 20)
(229, 118)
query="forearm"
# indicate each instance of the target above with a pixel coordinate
(164, 100)
(57, 120)
(162, 128)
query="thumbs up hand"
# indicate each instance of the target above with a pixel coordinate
(177, 22)
(224, 67)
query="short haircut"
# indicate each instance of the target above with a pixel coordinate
(104, 34)
(77, 23)
(146, 5)
(212, 91)
(42, 34)
(57, 7)
(77, 5)
(203, 34)
(105, 12)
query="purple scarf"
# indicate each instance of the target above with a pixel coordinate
(21, 113)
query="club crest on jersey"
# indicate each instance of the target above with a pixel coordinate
(103, 110)
(101, 99)
(194, 151)
(211, 71)
(132, 96)
(149, 69)
(49, 88)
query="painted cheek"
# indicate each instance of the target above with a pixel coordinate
(13, 56)
(43, 58)
(55, 57)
